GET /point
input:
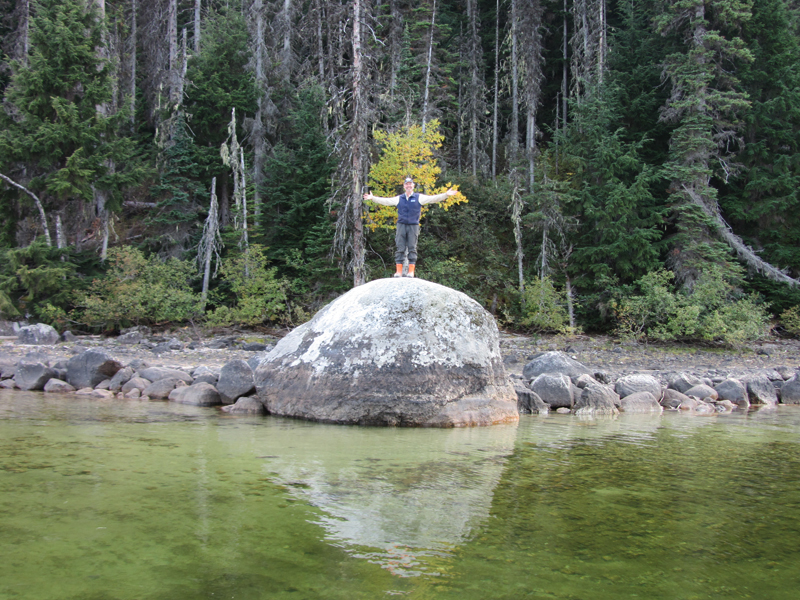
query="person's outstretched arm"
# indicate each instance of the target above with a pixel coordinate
(393, 201)
(425, 199)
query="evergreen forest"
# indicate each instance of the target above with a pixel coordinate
(623, 166)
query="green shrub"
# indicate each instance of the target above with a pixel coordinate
(713, 311)
(790, 319)
(544, 309)
(138, 290)
(38, 280)
(260, 296)
(449, 272)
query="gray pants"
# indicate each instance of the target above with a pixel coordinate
(406, 241)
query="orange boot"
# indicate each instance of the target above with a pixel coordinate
(411, 270)
(399, 272)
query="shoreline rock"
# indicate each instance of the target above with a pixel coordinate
(674, 367)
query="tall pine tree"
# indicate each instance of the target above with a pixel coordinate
(58, 142)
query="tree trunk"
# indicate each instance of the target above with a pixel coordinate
(602, 48)
(184, 67)
(428, 69)
(245, 243)
(534, 75)
(101, 195)
(514, 81)
(210, 243)
(286, 57)
(359, 146)
(395, 47)
(496, 88)
(570, 302)
(132, 52)
(22, 45)
(61, 240)
(258, 131)
(564, 69)
(475, 85)
(516, 217)
(172, 37)
(196, 37)
(38, 203)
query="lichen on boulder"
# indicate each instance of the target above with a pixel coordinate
(404, 352)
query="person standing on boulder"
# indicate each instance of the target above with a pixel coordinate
(409, 207)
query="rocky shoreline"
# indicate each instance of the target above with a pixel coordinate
(224, 365)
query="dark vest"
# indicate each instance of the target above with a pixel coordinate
(408, 209)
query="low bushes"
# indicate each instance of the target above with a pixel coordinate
(714, 310)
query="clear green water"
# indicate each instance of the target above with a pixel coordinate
(135, 500)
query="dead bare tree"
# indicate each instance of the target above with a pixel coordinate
(210, 243)
(39, 206)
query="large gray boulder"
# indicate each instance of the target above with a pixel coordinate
(761, 390)
(33, 375)
(554, 363)
(90, 368)
(235, 380)
(734, 391)
(637, 382)
(392, 352)
(597, 399)
(555, 390)
(790, 391)
(37, 335)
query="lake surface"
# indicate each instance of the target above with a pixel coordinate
(104, 500)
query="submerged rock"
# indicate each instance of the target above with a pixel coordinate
(640, 402)
(392, 352)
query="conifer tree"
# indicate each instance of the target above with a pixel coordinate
(58, 140)
(763, 202)
(220, 81)
(610, 193)
(706, 104)
(177, 193)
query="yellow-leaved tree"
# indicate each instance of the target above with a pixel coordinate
(407, 152)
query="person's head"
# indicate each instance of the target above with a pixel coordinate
(408, 185)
